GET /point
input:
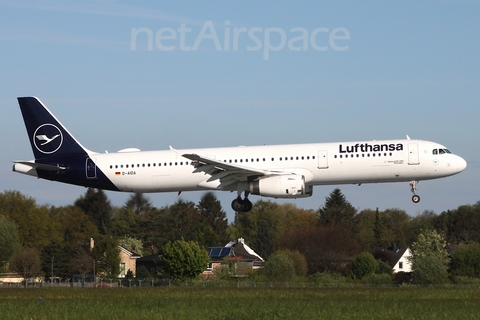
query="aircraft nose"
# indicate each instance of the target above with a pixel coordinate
(457, 164)
(461, 164)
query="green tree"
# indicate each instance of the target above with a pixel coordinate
(383, 268)
(293, 218)
(428, 270)
(363, 265)
(97, 206)
(213, 215)
(365, 229)
(132, 244)
(379, 230)
(397, 224)
(125, 222)
(429, 258)
(9, 238)
(139, 203)
(182, 221)
(423, 221)
(461, 224)
(466, 261)
(326, 248)
(261, 227)
(299, 262)
(56, 258)
(430, 243)
(82, 263)
(184, 259)
(35, 226)
(337, 210)
(279, 267)
(106, 256)
(27, 263)
(76, 227)
(154, 228)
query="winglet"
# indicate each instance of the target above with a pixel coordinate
(408, 138)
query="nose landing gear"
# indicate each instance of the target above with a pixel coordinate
(415, 197)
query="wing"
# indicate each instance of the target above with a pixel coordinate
(223, 175)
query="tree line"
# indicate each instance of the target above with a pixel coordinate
(328, 239)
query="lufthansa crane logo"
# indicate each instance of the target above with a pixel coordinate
(47, 138)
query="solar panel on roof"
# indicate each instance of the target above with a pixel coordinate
(219, 252)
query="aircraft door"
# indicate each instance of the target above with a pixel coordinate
(322, 159)
(91, 169)
(413, 157)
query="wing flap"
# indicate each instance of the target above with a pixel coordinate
(227, 174)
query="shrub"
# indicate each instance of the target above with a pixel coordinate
(327, 278)
(384, 268)
(363, 265)
(429, 270)
(299, 262)
(184, 259)
(279, 267)
(377, 279)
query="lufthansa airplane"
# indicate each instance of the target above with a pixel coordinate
(281, 171)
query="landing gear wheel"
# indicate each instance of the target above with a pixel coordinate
(247, 205)
(416, 198)
(238, 205)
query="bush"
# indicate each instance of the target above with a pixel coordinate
(402, 277)
(363, 265)
(184, 259)
(327, 278)
(465, 280)
(377, 279)
(384, 268)
(429, 270)
(299, 262)
(279, 267)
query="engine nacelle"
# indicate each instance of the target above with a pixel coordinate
(281, 186)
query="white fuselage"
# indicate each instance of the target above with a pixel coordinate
(320, 164)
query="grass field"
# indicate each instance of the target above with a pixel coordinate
(241, 303)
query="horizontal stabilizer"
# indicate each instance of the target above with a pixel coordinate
(24, 166)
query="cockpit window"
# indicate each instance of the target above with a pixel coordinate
(440, 151)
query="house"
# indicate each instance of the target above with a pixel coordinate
(397, 257)
(236, 251)
(128, 261)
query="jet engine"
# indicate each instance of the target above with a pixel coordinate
(281, 186)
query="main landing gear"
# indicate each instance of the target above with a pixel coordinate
(242, 205)
(415, 197)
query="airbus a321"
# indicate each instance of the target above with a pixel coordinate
(278, 171)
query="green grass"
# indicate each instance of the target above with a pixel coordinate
(177, 303)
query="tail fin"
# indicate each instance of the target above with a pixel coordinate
(47, 135)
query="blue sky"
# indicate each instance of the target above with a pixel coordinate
(374, 70)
